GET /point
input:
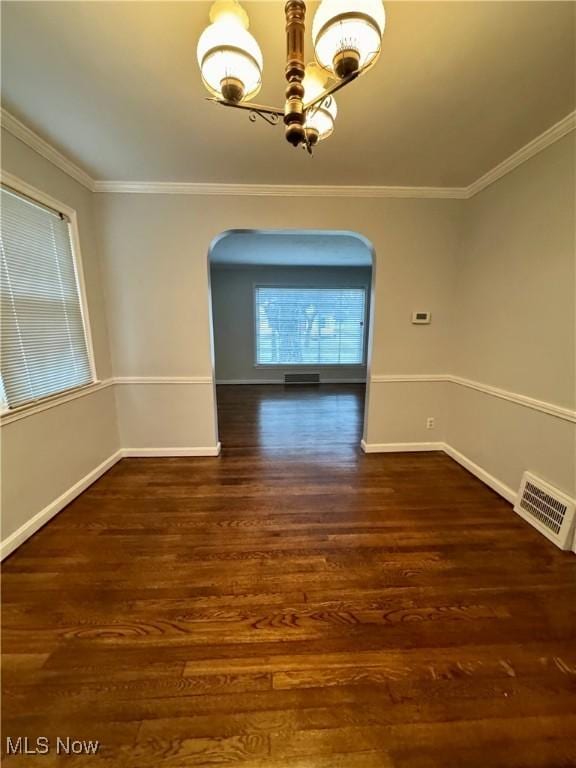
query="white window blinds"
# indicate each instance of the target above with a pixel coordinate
(44, 348)
(307, 326)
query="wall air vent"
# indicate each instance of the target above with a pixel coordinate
(547, 509)
(301, 378)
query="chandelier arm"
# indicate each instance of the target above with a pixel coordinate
(249, 106)
(332, 89)
(270, 118)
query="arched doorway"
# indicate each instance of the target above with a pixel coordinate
(291, 314)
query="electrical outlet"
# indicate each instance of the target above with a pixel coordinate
(430, 422)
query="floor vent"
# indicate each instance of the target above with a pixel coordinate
(547, 509)
(301, 378)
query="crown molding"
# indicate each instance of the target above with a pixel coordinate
(556, 132)
(42, 147)
(276, 190)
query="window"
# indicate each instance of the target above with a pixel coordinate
(44, 342)
(310, 326)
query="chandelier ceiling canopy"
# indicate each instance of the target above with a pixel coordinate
(347, 39)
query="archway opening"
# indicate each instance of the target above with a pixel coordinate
(291, 314)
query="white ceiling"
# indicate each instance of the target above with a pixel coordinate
(459, 87)
(291, 248)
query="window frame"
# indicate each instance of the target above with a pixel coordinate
(307, 286)
(15, 184)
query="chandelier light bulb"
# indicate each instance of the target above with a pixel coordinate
(229, 57)
(319, 118)
(347, 34)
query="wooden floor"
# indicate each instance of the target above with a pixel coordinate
(292, 604)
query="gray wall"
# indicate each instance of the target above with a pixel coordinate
(45, 453)
(516, 322)
(233, 314)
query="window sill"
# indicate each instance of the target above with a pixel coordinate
(29, 409)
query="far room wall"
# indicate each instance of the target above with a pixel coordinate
(155, 248)
(234, 320)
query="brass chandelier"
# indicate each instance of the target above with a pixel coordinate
(347, 38)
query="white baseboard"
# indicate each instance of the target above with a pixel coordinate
(133, 453)
(492, 482)
(400, 447)
(35, 523)
(481, 474)
(281, 381)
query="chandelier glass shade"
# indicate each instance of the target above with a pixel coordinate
(347, 34)
(229, 57)
(320, 118)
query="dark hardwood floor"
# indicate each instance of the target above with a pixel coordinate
(292, 604)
